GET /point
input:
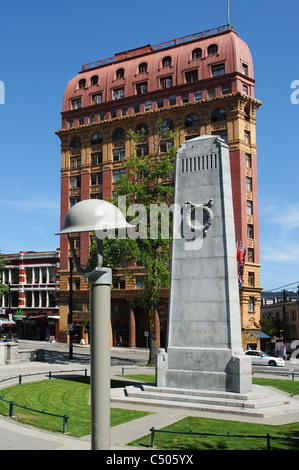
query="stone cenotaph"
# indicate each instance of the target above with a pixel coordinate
(204, 347)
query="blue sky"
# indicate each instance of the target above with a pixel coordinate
(44, 44)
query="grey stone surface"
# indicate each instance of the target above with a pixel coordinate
(204, 349)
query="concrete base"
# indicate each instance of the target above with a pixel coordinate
(262, 402)
(203, 369)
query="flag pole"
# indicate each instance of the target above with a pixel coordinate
(228, 12)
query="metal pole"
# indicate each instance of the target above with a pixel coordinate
(227, 11)
(100, 299)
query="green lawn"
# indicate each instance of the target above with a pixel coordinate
(61, 397)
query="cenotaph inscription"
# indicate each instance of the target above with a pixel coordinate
(204, 347)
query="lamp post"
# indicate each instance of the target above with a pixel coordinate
(94, 215)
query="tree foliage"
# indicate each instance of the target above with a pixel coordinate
(3, 287)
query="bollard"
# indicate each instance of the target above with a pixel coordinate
(152, 430)
(11, 409)
(65, 418)
(20, 379)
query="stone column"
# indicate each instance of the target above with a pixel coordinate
(132, 325)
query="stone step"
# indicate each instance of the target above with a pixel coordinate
(209, 400)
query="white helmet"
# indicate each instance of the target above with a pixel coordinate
(93, 215)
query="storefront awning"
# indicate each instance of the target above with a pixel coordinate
(259, 334)
(7, 322)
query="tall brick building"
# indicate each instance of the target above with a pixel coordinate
(201, 84)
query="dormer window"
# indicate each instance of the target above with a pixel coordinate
(94, 80)
(197, 53)
(82, 83)
(166, 62)
(212, 49)
(143, 67)
(120, 73)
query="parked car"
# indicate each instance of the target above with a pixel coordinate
(259, 357)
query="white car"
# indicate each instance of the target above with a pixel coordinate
(259, 357)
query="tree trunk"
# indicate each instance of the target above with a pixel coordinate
(153, 349)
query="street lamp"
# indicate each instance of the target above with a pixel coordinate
(101, 217)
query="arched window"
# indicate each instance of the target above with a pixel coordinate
(143, 128)
(120, 73)
(166, 125)
(166, 62)
(75, 143)
(82, 83)
(192, 120)
(219, 115)
(143, 67)
(212, 49)
(97, 139)
(118, 134)
(197, 53)
(94, 80)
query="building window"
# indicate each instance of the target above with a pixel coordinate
(248, 184)
(251, 304)
(165, 146)
(82, 83)
(198, 95)
(197, 53)
(119, 282)
(250, 255)
(75, 182)
(97, 158)
(74, 200)
(247, 160)
(222, 134)
(211, 92)
(91, 118)
(245, 89)
(172, 100)
(225, 89)
(96, 196)
(166, 82)
(160, 103)
(192, 120)
(113, 113)
(70, 123)
(143, 67)
(94, 80)
(166, 62)
(117, 173)
(251, 279)
(244, 69)
(96, 139)
(142, 150)
(139, 282)
(81, 120)
(120, 73)
(119, 154)
(143, 129)
(136, 108)
(249, 207)
(76, 104)
(102, 115)
(185, 97)
(118, 134)
(212, 49)
(219, 114)
(250, 232)
(166, 125)
(97, 99)
(118, 94)
(247, 137)
(124, 110)
(217, 70)
(96, 179)
(141, 88)
(76, 162)
(147, 105)
(75, 143)
(191, 76)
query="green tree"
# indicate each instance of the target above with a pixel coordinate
(148, 182)
(270, 326)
